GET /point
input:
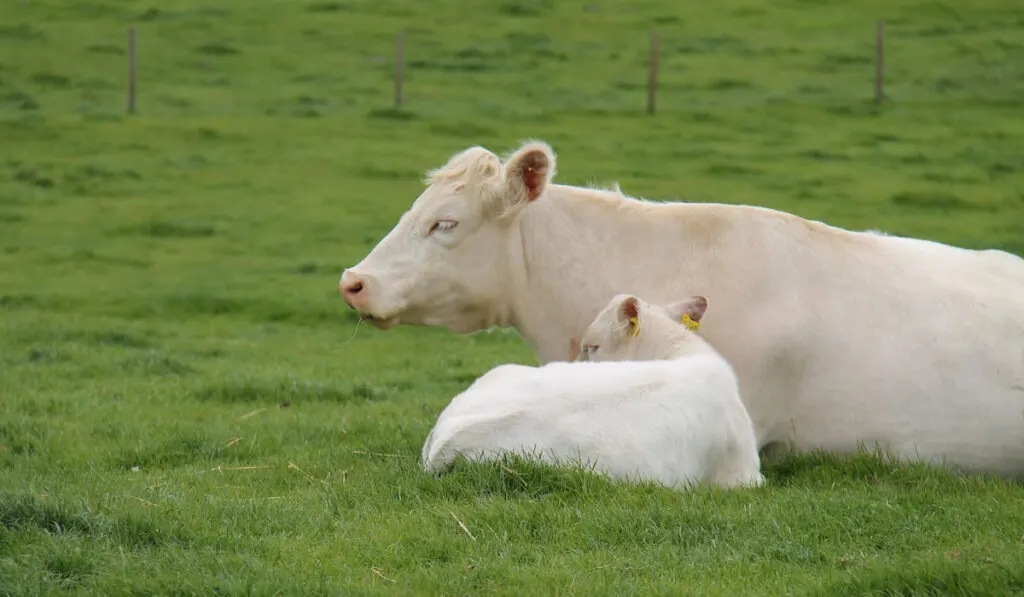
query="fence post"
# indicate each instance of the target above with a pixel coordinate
(880, 63)
(131, 70)
(399, 68)
(652, 83)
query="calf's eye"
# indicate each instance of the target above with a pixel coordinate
(443, 226)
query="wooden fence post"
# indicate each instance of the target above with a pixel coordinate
(880, 63)
(652, 83)
(131, 70)
(399, 68)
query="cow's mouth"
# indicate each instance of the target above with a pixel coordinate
(381, 323)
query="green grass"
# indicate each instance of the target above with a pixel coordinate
(185, 404)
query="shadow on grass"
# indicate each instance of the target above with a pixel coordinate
(153, 363)
(935, 200)
(524, 476)
(194, 304)
(170, 229)
(939, 575)
(290, 391)
(29, 512)
(819, 468)
(515, 475)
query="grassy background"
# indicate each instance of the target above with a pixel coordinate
(185, 407)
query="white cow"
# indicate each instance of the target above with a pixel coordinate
(662, 406)
(839, 338)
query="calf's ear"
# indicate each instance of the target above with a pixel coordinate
(689, 312)
(529, 170)
(574, 349)
(629, 315)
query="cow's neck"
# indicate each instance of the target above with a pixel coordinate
(558, 245)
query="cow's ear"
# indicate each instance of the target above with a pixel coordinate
(529, 170)
(689, 312)
(629, 315)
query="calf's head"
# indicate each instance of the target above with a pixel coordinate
(444, 262)
(631, 329)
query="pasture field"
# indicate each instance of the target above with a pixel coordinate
(188, 408)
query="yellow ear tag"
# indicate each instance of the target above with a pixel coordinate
(636, 326)
(692, 325)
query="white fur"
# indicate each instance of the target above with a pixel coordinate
(677, 422)
(837, 337)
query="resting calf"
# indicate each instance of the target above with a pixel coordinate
(670, 414)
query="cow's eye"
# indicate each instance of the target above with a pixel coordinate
(443, 226)
(589, 350)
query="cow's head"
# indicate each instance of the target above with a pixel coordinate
(630, 329)
(443, 264)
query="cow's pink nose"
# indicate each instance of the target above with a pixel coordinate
(350, 287)
(354, 287)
